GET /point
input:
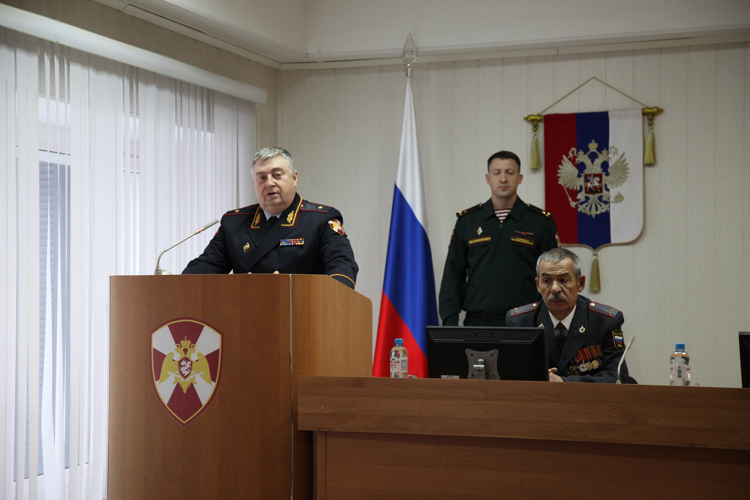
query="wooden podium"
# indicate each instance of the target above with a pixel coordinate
(454, 439)
(244, 442)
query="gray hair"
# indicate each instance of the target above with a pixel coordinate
(558, 255)
(272, 151)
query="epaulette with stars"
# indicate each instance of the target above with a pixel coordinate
(249, 210)
(469, 210)
(539, 210)
(516, 311)
(603, 309)
(309, 206)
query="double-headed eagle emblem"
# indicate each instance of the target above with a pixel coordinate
(184, 368)
(594, 184)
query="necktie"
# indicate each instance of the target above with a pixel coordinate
(272, 221)
(561, 333)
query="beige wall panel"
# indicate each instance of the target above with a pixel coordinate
(321, 157)
(701, 211)
(593, 95)
(616, 261)
(490, 114)
(678, 282)
(350, 112)
(672, 159)
(566, 77)
(369, 205)
(465, 81)
(647, 302)
(730, 203)
(296, 118)
(541, 95)
(454, 186)
(515, 105)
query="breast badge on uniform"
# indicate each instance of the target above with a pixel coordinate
(292, 242)
(337, 226)
(246, 247)
(476, 241)
(479, 231)
(586, 360)
(185, 365)
(522, 241)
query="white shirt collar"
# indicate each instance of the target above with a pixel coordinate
(268, 216)
(566, 321)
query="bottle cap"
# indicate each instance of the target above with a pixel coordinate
(399, 341)
(680, 347)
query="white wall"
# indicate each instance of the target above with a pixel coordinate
(340, 27)
(323, 30)
(688, 276)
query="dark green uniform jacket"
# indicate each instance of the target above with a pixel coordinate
(491, 265)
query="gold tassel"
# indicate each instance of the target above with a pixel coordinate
(534, 163)
(648, 153)
(649, 156)
(595, 284)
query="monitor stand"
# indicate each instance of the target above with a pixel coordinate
(482, 364)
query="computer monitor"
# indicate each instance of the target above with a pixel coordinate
(504, 353)
(745, 358)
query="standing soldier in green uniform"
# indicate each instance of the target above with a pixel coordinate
(491, 263)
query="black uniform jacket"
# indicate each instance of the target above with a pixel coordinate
(593, 324)
(308, 238)
(491, 265)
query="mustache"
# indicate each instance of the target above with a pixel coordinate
(557, 296)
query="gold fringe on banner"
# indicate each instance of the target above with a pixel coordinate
(649, 157)
(595, 285)
(534, 163)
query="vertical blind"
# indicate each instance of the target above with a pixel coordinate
(103, 166)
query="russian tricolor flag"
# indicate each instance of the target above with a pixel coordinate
(409, 303)
(602, 202)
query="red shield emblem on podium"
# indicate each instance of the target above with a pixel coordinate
(185, 366)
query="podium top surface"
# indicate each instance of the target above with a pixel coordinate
(629, 414)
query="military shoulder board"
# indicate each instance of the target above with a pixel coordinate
(244, 210)
(524, 309)
(539, 210)
(603, 309)
(308, 206)
(469, 210)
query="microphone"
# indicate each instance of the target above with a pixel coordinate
(627, 348)
(159, 270)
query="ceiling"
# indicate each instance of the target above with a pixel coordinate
(309, 31)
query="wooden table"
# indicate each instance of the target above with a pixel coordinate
(455, 439)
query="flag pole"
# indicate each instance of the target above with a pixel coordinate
(408, 303)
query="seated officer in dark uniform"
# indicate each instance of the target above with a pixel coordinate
(282, 233)
(584, 338)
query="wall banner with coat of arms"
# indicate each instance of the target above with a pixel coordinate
(594, 176)
(593, 180)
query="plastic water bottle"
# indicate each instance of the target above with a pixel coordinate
(399, 360)
(679, 366)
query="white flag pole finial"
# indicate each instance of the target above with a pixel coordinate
(409, 54)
